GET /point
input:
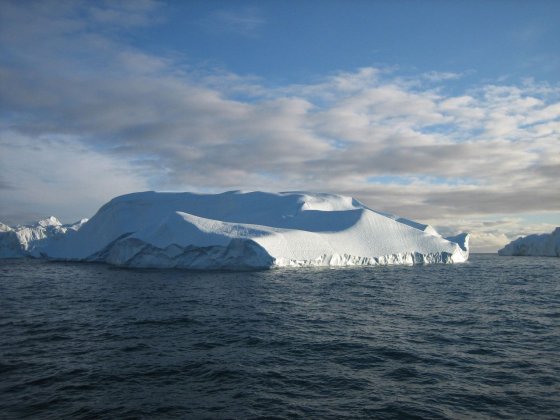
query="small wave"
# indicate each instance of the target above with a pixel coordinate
(174, 321)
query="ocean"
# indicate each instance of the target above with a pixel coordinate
(474, 340)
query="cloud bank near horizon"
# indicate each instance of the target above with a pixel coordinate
(87, 116)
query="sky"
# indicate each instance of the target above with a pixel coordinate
(445, 112)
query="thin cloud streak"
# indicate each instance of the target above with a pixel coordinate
(245, 22)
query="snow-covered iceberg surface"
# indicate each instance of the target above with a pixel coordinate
(253, 230)
(30, 240)
(544, 245)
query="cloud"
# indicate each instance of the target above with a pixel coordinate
(125, 13)
(439, 76)
(59, 176)
(77, 101)
(246, 21)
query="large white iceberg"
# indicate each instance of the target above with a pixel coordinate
(251, 230)
(545, 245)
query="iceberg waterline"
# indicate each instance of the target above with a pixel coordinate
(543, 245)
(246, 230)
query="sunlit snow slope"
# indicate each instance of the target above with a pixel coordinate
(237, 230)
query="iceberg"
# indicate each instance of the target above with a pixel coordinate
(30, 240)
(543, 245)
(250, 230)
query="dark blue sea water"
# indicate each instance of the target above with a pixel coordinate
(480, 339)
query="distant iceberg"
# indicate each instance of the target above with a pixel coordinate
(30, 240)
(544, 245)
(250, 230)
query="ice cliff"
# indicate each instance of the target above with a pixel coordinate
(545, 245)
(252, 230)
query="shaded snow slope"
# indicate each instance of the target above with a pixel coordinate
(545, 245)
(30, 240)
(251, 230)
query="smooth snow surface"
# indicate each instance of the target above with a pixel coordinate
(544, 245)
(236, 230)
